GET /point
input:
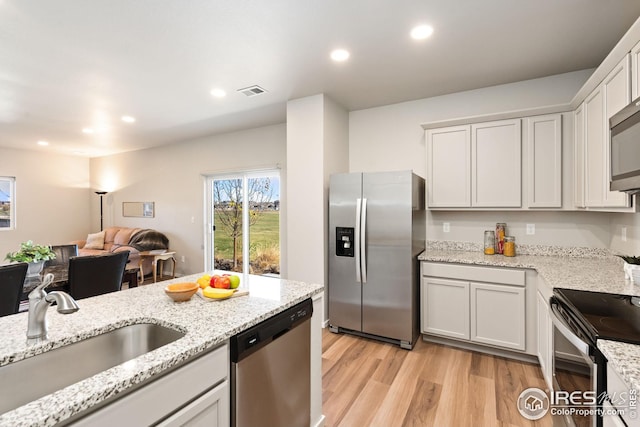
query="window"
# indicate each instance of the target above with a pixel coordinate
(7, 203)
(244, 220)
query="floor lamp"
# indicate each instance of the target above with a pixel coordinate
(101, 193)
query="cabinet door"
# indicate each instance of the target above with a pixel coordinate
(544, 161)
(635, 72)
(449, 166)
(445, 307)
(578, 157)
(497, 315)
(617, 95)
(496, 164)
(544, 339)
(594, 149)
(210, 410)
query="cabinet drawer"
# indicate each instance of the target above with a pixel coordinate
(507, 276)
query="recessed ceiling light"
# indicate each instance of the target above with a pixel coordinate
(88, 131)
(421, 32)
(128, 119)
(218, 93)
(340, 55)
(43, 143)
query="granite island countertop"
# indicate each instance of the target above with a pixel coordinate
(571, 270)
(207, 324)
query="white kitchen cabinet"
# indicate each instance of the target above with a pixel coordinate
(609, 98)
(497, 315)
(449, 166)
(635, 71)
(594, 149)
(544, 161)
(617, 95)
(578, 156)
(192, 394)
(496, 164)
(619, 398)
(210, 410)
(545, 344)
(445, 307)
(491, 312)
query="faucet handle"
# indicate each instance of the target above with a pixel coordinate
(38, 291)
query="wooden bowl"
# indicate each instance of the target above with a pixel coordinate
(181, 291)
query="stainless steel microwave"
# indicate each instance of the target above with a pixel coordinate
(625, 149)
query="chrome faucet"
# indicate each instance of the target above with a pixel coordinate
(39, 301)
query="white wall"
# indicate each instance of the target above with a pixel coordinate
(172, 176)
(52, 198)
(317, 145)
(391, 138)
(630, 221)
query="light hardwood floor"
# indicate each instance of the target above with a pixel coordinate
(368, 383)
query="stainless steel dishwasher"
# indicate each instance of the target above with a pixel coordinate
(270, 371)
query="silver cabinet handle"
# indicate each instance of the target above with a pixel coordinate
(357, 238)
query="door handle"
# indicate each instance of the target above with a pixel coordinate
(363, 241)
(357, 238)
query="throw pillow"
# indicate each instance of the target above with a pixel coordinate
(95, 241)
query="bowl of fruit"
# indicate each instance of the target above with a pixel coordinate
(181, 291)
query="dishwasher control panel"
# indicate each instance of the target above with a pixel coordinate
(260, 335)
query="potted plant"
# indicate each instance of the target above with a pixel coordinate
(34, 254)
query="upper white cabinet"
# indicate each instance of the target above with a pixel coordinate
(610, 97)
(544, 161)
(578, 155)
(449, 166)
(617, 95)
(475, 165)
(635, 71)
(496, 164)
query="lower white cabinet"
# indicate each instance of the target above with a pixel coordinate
(545, 344)
(484, 313)
(497, 315)
(195, 394)
(446, 307)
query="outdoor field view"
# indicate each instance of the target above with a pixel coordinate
(6, 190)
(263, 217)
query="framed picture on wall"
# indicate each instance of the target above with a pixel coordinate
(138, 209)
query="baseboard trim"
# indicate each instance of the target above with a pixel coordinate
(494, 351)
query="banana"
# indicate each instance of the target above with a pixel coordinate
(216, 293)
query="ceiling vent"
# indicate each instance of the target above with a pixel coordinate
(254, 90)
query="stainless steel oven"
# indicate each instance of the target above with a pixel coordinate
(579, 370)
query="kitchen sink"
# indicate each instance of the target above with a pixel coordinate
(29, 379)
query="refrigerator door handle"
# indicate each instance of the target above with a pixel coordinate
(357, 238)
(363, 241)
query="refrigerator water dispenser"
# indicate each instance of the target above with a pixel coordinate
(344, 241)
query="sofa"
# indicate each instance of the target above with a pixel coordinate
(118, 239)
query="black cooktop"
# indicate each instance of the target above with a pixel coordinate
(609, 316)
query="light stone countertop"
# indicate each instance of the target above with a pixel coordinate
(206, 323)
(566, 269)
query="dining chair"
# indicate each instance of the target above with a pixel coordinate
(11, 283)
(97, 274)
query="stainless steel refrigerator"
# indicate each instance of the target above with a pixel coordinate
(376, 231)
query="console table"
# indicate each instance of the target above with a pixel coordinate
(158, 257)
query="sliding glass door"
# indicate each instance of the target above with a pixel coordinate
(243, 210)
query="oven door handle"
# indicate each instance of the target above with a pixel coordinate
(565, 330)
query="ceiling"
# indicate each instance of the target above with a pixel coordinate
(66, 65)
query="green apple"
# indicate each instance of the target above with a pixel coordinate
(235, 281)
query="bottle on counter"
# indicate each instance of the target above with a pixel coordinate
(509, 246)
(489, 242)
(501, 228)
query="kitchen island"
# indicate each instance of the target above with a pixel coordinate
(206, 324)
